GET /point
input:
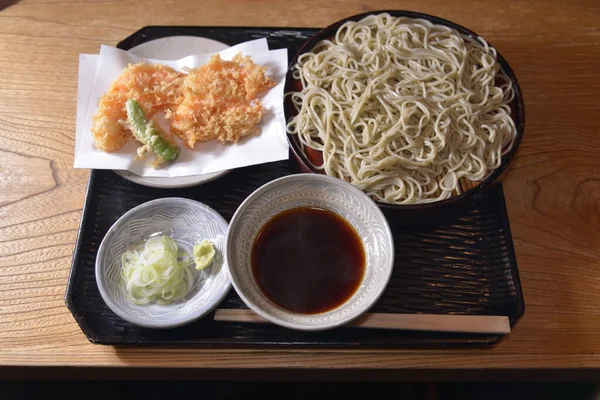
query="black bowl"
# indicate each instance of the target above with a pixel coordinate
(429, 212)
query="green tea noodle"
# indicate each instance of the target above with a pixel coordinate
(403, 109)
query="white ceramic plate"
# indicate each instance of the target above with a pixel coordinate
(173, 48)
(320, 191)
(187, 222)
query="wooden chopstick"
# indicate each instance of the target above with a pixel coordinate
(490, 324)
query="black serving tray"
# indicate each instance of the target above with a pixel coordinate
(464, 264)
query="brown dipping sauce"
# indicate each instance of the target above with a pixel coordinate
(308, 260)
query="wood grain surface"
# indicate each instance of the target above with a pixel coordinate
(552, 188)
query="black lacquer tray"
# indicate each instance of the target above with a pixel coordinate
(464, 264)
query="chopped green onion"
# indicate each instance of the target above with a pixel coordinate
(156, 271)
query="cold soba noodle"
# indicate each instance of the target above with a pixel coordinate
(403, 109)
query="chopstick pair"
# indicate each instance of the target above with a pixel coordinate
(489, 324)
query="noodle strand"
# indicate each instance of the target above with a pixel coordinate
(404, 109)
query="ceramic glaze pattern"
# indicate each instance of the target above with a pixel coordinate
(311, 190)
(186, 221)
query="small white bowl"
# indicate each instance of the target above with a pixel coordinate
(310, 190)
(186, 221)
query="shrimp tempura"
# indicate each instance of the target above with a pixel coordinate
(219, 101)
(155, 87)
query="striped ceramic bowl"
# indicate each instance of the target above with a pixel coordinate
(186, 221)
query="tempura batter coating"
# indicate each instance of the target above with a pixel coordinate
(156, 88)
(219, 101)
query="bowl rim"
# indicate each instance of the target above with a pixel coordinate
(486, 184)
(100, 275)
(269, 317)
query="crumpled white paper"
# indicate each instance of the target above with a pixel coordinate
(103, 69)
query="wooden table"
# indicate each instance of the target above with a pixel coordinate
(552, 189)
